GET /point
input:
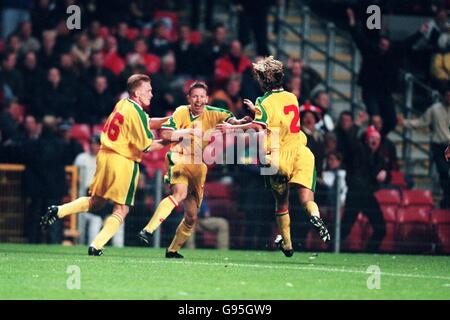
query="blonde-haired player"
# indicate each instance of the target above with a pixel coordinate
(184, 175)
(126, 136)
(278, 112)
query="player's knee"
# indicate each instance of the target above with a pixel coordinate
(180, 195)
(121, 210)
(190, 220)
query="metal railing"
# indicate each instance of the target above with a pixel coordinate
(408, 142)
(306, 45)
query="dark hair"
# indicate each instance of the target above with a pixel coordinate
(346, 113)
(135, 81)
(198, 85)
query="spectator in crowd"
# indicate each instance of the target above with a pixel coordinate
(56, 97)
(10, 120)
(96, 103)
(387, 147)
(29, 42)
(230, 98)
(233, 62)
(14, 45)
(253, 19)
(143, 57)
(33, 77)
(167, 88)
(47, 56)
(64, 40)
(320, 99)
(366, 170)
(112, 59)
(208, 223)
(11, 76)
(437, 117)
(96, 69)
(159, 40)
(309, 78)
(294, 85)
(379, 72)
(13, 13)
(334, 173)
(186, 54)
(213, 49)
(96, 41)
(81, 51)
(42, 17)
(44, 180)
(437, 26)
(72, 147)
(125, 45)
(346, 134)
(330, 142)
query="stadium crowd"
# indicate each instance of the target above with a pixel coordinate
(53, 78)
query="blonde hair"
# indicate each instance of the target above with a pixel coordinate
(135, 81)
(269, 73)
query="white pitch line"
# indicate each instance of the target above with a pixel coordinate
(247, 265)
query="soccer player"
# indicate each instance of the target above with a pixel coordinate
(186, 177)
(278, 112)
(125, 137)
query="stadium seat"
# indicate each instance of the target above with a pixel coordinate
(440, 220)
(388, 197)
(398, 179)
(413, 232)
(390, 217)
(417, 199)
(359, 235)
(147, 32)
(81, 133)
(390, 201)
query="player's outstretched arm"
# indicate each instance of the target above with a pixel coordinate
(235, 121)
(156, 123)
(250, 105)
(157, 145)
(177, 135)
(227, 127)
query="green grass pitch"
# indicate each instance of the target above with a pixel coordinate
(41, 272)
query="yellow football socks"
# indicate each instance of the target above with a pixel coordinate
(312, 209)
(183, 233)
(77, 206)
(284, 225)
(109, 229)
(164, 209)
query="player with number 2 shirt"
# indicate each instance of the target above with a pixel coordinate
(285, 145)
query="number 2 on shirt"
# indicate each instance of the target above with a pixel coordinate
(112, 127)
(295, 123)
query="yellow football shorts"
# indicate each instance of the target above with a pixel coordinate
(116, 178)
(192, 175)
(295, 166)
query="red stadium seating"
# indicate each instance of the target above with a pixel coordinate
(388, 197)
(389, 200)
(417, 199)
(413, 232)
(358, 238)
(81, 133)
(398, 179)
(97, 129)
(390, 217)
(440, 220)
